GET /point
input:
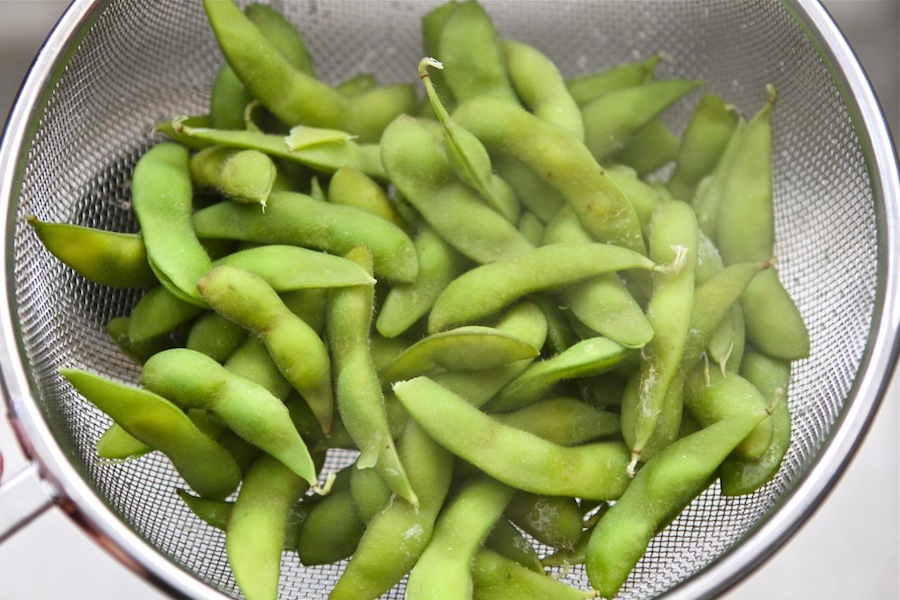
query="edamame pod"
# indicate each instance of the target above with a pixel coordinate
(771, 376)
(353, 187)
(443, 571)
(673, 240)
(396, 536)
(357, 388)
(594, 471)
(712, 125)
(508, 541)
(118, 444)
(215, 336)
(497, 578)
(540, 86)
(255, 534)
(331, 531)
(288, 268)
(562, 420)
(117, 329)
(296, 348)
(158, 313)
(659, 491)
(162, 203)
(586, 88)
(554, 521)
(205, 465)
(611, 120)
(192, 379)
(105, 257)
(650, 148)
(296, 219)
(406, 303)
(419, 168)
(586, 358)
(467, 348)
(559, 159)
(486, 289)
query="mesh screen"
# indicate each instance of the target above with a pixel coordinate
(144, 62)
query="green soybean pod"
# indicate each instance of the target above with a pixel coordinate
(396, 536)
(105, 257)
(194, 380)
(589, 357)
(586, 88)
(251, 360)
(228, 100)
(117, 329)
(561, 161)
(673, 240)
(533, 193)
(497, 578)
(562, 420)
(512, 456)
(526, 321)
(650, 148)
(158, 313)
(746, 232)
(486, 289)
(612, 119)
(205, 465)
(444, 567)
(357, 388)
(712, 395)
(771, 376)
(432, 23)
(293, 149)
(293, 96)
(508, 541)
(540, 86)
(418, 166)
(296, 348)
(255, 533)
(352, 187)
(659, 491)
(331, 531)
(369, 492)
(712, 125)
(406, 303)
(282, 34)
(296, 219)
(726, 345)
(471, 50)
(554, 521)
(466, 348)
(247, 176)
(118, 444)
(162, 202)
(215, 336)
(289, 268)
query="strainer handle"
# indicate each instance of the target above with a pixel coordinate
(22, 499)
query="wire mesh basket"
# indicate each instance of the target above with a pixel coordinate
(114, 68)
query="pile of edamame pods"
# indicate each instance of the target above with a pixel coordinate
(542, 320)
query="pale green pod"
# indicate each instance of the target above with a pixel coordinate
(443, 571)
(712, 395)
(650, 148)
(194, 380)
(508, 541)
(288, 268)
(562, 420)
(369, 492)
(524, 321)
(611, 120)
(357, 388)
(406, 303)
(296, 219)
(354, 188)
(331, 531)
(586, 88)
(466, 348)
(118, 444)
(541, 87)
(162, 202)
(512, 456)
(158, 313)
(554, 521)
(215, 336)
(247, 176)
(117, 329)
(152, 419)
(486, 289)
(498, 578)
(586, 358)
(296, 348)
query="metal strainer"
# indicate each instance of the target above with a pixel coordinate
(113, 68)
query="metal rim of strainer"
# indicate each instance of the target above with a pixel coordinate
(67, 489)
